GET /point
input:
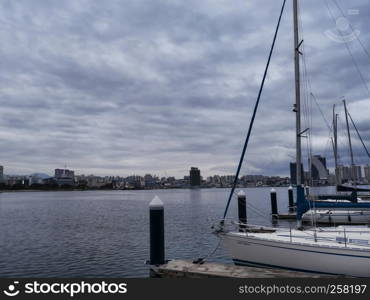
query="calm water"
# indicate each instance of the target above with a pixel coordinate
(105, 233)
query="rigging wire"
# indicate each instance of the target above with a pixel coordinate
(259, 212)
(307, 102)
(322, 114)
(329, 141)
(342, 141)
(345, 137)
(358, 133)
(254, 112)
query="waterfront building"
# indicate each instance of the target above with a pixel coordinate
(332, 179)
(171, 180)
(367, 173)
(195, 179)
(356, 173)
(60, 173)
(36, 179)
(343, 173)
(227, 179)
(16, 180)
(95, 181)
(64, 177)
(319, 172)
(135, 181)
(149, 181)
(1, 174)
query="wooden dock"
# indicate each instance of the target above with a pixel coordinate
(188, 269)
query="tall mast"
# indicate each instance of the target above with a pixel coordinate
(302, 204)
(335, 144)
(297, 94)
(349, 134)
(335, 136)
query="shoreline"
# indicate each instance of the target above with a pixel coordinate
(154, 189)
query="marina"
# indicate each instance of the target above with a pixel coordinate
(334, 250)
(146, 105)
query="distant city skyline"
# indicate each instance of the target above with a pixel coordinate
(51, 173)
(67, 179)
(319, 171)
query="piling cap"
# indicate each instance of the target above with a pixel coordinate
(156, 203)
(290, 187)
(273, 190)
(241, 193)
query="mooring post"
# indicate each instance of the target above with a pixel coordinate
(274, 209)
(156, 215)
(291, 199)
(242, 210)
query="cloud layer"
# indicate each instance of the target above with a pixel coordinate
(123, 87)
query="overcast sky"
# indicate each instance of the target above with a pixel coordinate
(157, 86)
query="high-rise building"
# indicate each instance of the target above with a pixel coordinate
(293, 173)
(149, 181)
(348, 173)
(1, 174)
(194, 177)
(356, 173)
(60, 173)
(367, 173)
(135, 181)
(343, 173)
(64, 176)
(319, 172)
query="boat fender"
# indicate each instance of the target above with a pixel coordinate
(198, 261)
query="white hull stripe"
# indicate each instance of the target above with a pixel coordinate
(249, 263)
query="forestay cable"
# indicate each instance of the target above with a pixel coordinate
(254, 113)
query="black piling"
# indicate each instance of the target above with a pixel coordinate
(242, 210)
(291, 199)
(156, 215)
(274, 209)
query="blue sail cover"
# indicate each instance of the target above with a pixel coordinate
(303, 204)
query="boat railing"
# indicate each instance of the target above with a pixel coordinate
(339, 235)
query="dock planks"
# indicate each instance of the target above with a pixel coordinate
(187, 269)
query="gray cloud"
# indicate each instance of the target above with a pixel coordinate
(125, 87)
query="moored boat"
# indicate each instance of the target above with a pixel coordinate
(338, 250)
(329, 252)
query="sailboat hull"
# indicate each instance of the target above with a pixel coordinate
(248, 250)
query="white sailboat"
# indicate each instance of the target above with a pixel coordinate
(342, 251)
(334, 250)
